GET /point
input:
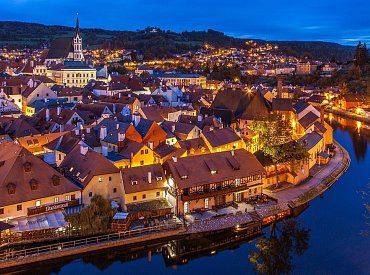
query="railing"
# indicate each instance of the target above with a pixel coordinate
(58, 247)
(339, 170)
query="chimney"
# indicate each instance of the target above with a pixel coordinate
(103, 132)
(173, 128)
(88, 130)
(79, 125)
(232, 153)
(322, 116)
(83, 149)
(61, 128)
(121, 136)
(174, 159)
(47, 115)
(77, 132)
(117, 126)
(200, 118)
(104, 151)
(150, 177)
(58, 110)
(114, 108)
(136, 120)
(151, 145)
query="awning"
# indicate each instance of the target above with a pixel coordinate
(5, 226)
(39, 222)
(120, 216)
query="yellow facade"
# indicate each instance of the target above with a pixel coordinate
(143, 157)
(145, 195)
(226, 147)
(20, 209)
(109, 186)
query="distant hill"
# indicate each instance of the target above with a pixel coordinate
(158, 44)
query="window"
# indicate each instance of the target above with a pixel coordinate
(206, 203)
(186, 207)
(110, 178)
(144, 196)
(73, 197)
(60, 156)
(1, 211)
(134, 198)
(100, 179)
(90, 194)
(141, 162)
(146, 151)
(56, 199)
(33, 184)
(19, 207)
(68, 197)
(158, 194)
(11, 188)
(38, 203)
(27, 167)
(142, 152)
(114, 190)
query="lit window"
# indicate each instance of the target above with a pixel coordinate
(100, 179)
(56, 199)
(68, 197)
(38, 203)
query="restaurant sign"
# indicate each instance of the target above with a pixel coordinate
(52, 207)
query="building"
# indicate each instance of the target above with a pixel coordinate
(221, 140)
(212, 181)
(66, 48)
(94, 173)
(177, 79)
(145, 190)
(27, 191)
(306, 67)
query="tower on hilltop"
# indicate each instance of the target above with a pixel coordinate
(77, 43)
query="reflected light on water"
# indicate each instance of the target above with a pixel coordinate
(358, 125)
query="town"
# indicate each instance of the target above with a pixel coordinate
(86, 150)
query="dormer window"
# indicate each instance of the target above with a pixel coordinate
(55, 180)
(134, 182)
(33, 184)
(27, 167)
(11, 188)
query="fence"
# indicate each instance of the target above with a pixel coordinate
(54, 248)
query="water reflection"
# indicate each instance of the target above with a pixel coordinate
(274, 254)
(359, 132)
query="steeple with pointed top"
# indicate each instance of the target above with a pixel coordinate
(78, 26)
(77, 43)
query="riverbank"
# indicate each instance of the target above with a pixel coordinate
(321, 181)
(346, 114)
(287, 199)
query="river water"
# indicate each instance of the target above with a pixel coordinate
(336, 240)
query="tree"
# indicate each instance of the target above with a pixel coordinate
(274, 255)
(94, 218)
(275, 138)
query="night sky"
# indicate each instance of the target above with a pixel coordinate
(341, 21)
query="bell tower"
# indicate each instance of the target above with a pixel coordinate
(77, 43)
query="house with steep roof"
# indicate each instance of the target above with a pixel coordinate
(25, 191)
(144, 191)
(212, 181)
(94, 173)
(221, 140)
(152, 134)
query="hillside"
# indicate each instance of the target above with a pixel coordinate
(160, 44)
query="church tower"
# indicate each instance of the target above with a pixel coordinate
(77, 44)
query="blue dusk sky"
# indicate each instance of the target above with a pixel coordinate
(341, 21)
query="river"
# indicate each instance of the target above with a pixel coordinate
(335, 242)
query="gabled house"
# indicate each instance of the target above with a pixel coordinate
(221, 140)
(29, 186)
(94, 173)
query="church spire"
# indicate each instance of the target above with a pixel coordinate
(77, 26)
